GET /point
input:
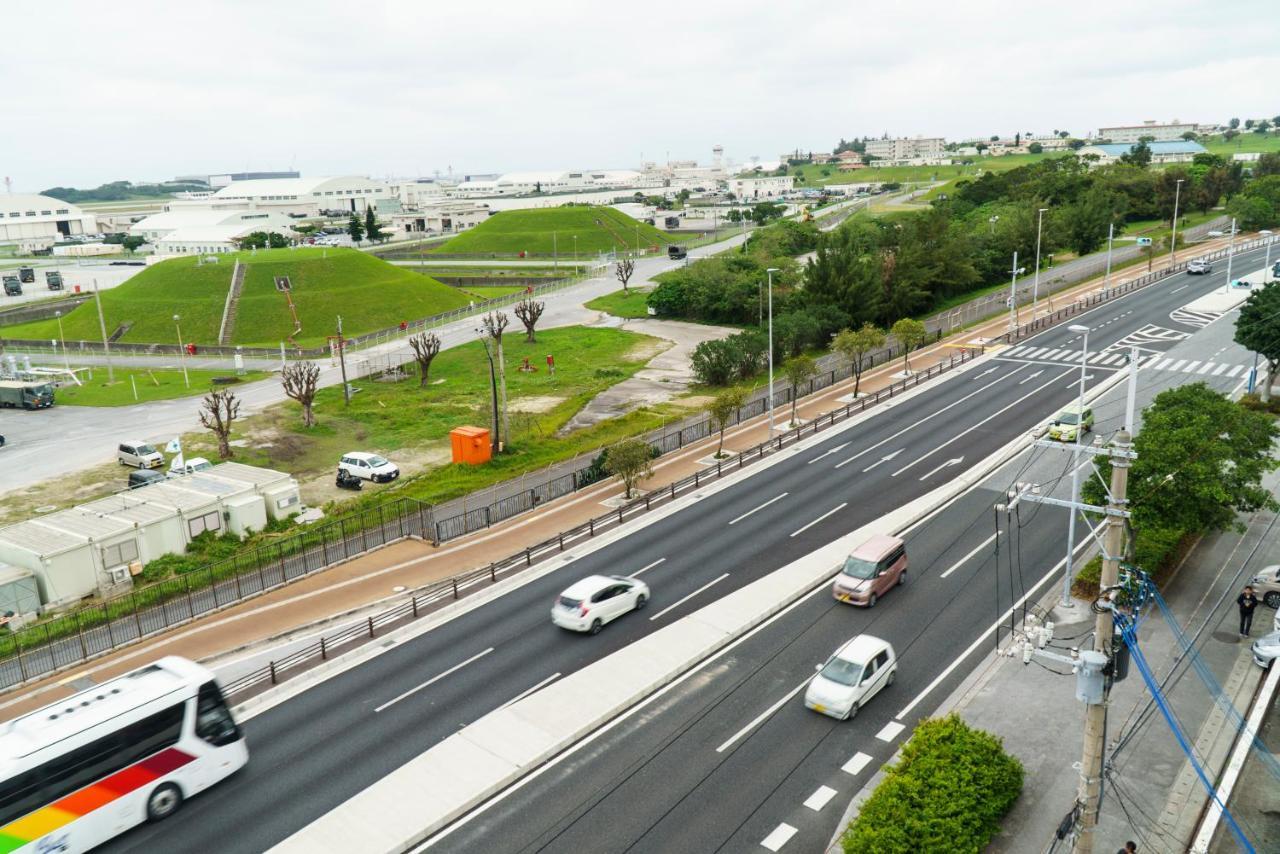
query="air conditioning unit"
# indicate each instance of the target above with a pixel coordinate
(135, 568)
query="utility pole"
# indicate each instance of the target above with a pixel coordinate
(1173, 236)
(1013, 297)
(1231, 249)
(102, 324)
(1111, 237)
(342, 361)
(1096, 713)
(494, 439)
(1035, 287)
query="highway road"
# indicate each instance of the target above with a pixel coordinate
(333, 740)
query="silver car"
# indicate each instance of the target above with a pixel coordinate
(1266, 649)
(1266, 585)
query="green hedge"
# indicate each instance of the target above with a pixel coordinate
(947, 794)
(1157, 550)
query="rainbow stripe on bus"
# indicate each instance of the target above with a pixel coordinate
(62, 812)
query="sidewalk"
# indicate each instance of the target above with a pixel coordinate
(368, 583)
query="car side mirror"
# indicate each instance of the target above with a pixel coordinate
(817, 667)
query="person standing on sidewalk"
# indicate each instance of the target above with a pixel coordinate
(1247, 602)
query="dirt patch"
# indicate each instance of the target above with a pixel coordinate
(537, 403)
(693, 401)
(320, 490)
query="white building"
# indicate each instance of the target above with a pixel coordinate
(32, 219)
(443, 217)
(302, 196)
(161, 225)
(1134, 133)
(415, 194)
(763, 187)
(1165, 151)
(918, 149)
(210, 239)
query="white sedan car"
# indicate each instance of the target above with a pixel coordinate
(853, 674)
(590, 603)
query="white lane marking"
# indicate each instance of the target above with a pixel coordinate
(518, 697)
(1235, 369)
(1164, 363)
(954, 461)
(856, 763)
(761, 507)
(932, 415)
(890, 731)
(1175, 290)
(906, 710)
(965, 559)
(647, 568)
(680, 602)
(820, 798)
(984, 373)
(1177, 366)
(837, 449)
(1016, 350)
(781, 836)
(1191, 368)
(835, 509)
(760, 718)
(1030, 377)
(880, 461)
(435, 679)
(1036, 353)
(1205, 369)
(958, 436)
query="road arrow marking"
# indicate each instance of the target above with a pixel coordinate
(881, 460)
(952, 462)
(1031, 377)
(984, 373)
(837, 449)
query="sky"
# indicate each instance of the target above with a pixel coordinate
(97, 92)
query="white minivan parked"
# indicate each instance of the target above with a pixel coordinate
(853, 674)
(139, 454)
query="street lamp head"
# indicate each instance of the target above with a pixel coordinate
(773, 270)
(1042, 210)
(175, 318)
(1078, 327)
(58, 313)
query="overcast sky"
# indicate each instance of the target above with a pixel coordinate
(96, 92)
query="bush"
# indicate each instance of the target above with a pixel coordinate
(947, 793)
(1155, 550)
(740, 356)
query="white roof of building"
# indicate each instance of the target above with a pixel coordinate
(531, 177)
(199, 217)
(212, 233)
(293, 186)
(23, 202)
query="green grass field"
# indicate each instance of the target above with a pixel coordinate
(597, 228)
(621, 304)
(916, 174)
(490, 291)
(1246, 141)
(150, 385)
(369, 293)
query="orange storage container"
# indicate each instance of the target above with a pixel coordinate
(470, 445)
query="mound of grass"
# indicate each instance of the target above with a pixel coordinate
(369, 294)
(598, 229)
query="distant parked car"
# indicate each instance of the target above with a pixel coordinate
(369, 467)
(1266, 585)
(590, 603)
(1199, 267)
(853, 674)
(144, 477)
(139, 455)
(191, 466)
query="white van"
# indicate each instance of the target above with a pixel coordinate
(139, 454)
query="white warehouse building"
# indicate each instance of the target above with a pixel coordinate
(158, 226)
(301, 196)
(41, 219)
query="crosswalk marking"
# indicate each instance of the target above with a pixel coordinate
(1198, 319)
(1177, 366)
(1235, 369)
(1164, 363)
(1205, 369)
(1218, 371)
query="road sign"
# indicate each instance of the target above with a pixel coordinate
(1144, 241)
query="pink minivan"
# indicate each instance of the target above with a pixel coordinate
(869, 572)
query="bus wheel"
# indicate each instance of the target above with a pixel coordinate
(164, 802)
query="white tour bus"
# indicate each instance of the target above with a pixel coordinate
(78, 772)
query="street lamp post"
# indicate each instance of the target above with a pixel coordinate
(1075, 465)
(575, 250)
(991, 220)
(1266, 265)
(769, 272)
(182, 353)
(1173, 236)
(1013, 295)
(1231, 248)
(62, 342)
(1035, 285)
(1111, 238)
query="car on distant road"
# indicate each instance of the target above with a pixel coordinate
(1199, 267)
(139, 455)
(368, 466)
(597, 599)
(1266, 585)
(853, 674)
(1266, 649)
(871, 570)
(1068, 421)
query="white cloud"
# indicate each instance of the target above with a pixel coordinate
(153, 89)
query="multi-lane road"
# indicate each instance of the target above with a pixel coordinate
(314, 751)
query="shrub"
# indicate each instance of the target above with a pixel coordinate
(716, 362)
(947, 793)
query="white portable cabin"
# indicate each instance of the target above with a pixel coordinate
(278, 489)
(159, 527)
(242, 509)
(72, 554)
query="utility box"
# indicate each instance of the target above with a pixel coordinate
(1089, 680)
(470, 445)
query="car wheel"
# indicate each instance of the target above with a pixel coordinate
(902, 578)
(893, 674)
(640, 602)
(1272, 599)
(871, 603)
(852, 713)
(596, 626)
(163, 802)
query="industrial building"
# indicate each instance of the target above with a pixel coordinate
(1158, 132)
(1168, 151)
(97, 548)
(304, 196)
(161, 225)
(40, 220)
(443, 217)
(763, 187)
(907, 150)
(211, 239)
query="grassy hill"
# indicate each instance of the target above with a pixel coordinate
(597, 227)
(369, 294)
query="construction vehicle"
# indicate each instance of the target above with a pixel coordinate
(28, 395)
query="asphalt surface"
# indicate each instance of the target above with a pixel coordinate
(340, 736)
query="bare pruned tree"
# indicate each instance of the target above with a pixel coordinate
(218, 410)
(426, 346)
(529, 311)
(299, 380)
(623, 270)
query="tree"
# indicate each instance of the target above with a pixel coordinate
(1262, 126)
(262, 240)
(762, 212)
(1258, 329)
(1035, 148)
(299, 380)
(1189, 136)
(426, 346)
(355, 228)
(1139, 155)
(1267, 164)
(722, 410)
(623, 270)
(1248, 123)
(218, 410)
(631, 460)
(1233, 124)
(910, 334)
(529, 311)
(1075, 144)
(798, 370)
(1230, 134)
(372, 230)
(494, 323)
(132, 242)
(855, 346)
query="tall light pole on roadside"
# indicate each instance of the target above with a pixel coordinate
(1013, 295)
(1035, 285)
(1231, 248)
(769, 272)
(1079, 329)
(1111, 239)
(182, 353)
(1266, 265)
(575, 252)
(1173, 236)
(102, 326)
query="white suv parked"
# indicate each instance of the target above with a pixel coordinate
(590, 603)
(369, 467)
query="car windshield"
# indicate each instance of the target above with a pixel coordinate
(1068, 418)
(145, 449)
(843, 672)
(376, 461)
(856, 567)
